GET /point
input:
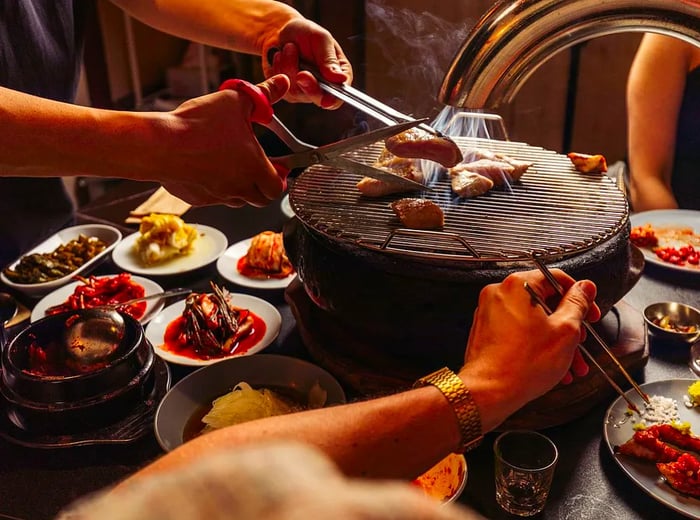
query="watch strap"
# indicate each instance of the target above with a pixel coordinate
(462, 403)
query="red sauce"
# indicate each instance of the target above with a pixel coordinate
(253, 272)
(173, 333)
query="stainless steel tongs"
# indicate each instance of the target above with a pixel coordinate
(369, 105)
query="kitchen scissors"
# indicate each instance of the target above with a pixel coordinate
(305, 154)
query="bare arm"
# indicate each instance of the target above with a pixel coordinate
(255, 27)
(404, 434)
(205, 151)
(654, 94)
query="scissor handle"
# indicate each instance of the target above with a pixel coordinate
(262, 109)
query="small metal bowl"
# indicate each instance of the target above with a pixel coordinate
(677, 314)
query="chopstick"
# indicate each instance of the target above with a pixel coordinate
(538, 299)
(589, 328)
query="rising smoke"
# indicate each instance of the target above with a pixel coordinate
(427, 45)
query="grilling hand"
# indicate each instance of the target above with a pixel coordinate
(304, 41)
(515, 352)
(215, 157)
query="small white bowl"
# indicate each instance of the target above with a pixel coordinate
(446, 480)
(108, 234)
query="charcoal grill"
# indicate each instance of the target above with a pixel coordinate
(554, 211)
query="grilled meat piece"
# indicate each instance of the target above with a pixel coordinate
(418, 213)
(588, 163)
(467, 184)
(397, 165)
(498, 171)
(419, 144)
(472, 155)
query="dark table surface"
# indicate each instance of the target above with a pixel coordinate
(37, 483)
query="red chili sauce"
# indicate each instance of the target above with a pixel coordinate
(174, 331)
(253, 272)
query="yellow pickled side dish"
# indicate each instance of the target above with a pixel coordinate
(163, 237)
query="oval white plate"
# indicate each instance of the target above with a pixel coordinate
(155, 331)
(208, 247)
(61, 294)
(286, 207)
(618, 428)
(227, 267)
(667, 217)
(110, 235)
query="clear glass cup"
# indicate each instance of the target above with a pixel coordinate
(525, 463)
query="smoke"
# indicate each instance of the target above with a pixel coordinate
(418, 48)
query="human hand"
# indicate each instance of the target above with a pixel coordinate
(216, 158)
(516, 352)
(302, 40)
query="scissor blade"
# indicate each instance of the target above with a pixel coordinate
(358, 141)
(365, 170)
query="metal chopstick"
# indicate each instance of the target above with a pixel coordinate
(560, 290)
(538, 299)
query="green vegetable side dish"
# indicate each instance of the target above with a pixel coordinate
(66, 258)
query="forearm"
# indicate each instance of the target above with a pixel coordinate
(397, 436)
(651, 192)
(246, 26)
(45, 138)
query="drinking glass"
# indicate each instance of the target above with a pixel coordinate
(525, 463)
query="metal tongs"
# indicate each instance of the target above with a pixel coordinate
(369, 105)
(589, 328)
(306, 155)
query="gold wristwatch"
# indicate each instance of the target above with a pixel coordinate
(459, 397)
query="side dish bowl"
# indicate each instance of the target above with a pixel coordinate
(446, 480)
(108, 234)
(192, 396)
(60, 394)
(672, 322)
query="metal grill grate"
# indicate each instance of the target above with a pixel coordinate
(553, 211)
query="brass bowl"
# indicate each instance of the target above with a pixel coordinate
(676, 315)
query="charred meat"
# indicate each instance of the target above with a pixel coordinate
(397, 165)
(419, 144)
(586, 163)
(419, 213)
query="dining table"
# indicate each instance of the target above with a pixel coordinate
(37, 483)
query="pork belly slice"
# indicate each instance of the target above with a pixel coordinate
(397, 165)
(498, 171)
(468, 184)
(418, 213)
(415, 143)
(586, 163)
(472, 155)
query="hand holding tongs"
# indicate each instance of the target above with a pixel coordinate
(331, 154)
(589, 328)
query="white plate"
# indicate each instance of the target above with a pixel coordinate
(206, 248)
(61, 294)
(618, 428)
(227, 267)
(155, 331)
(667, 217)
(110, 235)
(286, 207)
